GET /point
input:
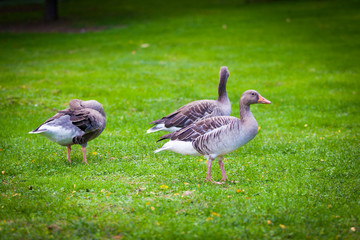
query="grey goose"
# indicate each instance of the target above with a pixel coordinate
(80, 123)
(216, 136)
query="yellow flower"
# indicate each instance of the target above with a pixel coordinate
(215, 214)
(282, 226)
(164, 187)
(94, 153)
(147, 203)
(268, 222)
(209, 218)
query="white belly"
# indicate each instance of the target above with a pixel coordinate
(61, 135)
(184, 148)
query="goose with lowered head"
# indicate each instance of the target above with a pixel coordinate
(80, 123)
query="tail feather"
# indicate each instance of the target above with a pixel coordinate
(36, 131)
(161, 149)
(154, 129)
(166, 136)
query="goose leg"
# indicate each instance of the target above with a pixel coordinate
(84, 154)
(208, 166)
(221, 165)
(68, 153)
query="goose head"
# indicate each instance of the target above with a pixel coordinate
(77, 104)
(252, 97)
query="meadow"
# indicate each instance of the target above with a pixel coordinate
(299, 178)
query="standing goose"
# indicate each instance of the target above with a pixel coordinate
(214, 137)
(80, 123)
(196, 110)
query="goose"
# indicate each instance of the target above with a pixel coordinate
(196, 110)
(216, 136)
(80, 123)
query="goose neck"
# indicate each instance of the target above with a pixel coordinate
(222, 94)
(245, 112)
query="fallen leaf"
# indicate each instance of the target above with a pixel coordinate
(186, 193)
(118, 237)
(145, 45)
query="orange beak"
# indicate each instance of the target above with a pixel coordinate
(263, 100)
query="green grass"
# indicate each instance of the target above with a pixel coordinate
(299, 178)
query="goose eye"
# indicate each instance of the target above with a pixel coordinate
(253, 94)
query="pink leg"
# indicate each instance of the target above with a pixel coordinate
(84, 154)
(208, 172)
(68, 153)
(221, 165)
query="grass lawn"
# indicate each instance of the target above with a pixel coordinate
(299, 178)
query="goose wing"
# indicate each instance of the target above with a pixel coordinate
(188, 114)
(200, 128)
(87, 119)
